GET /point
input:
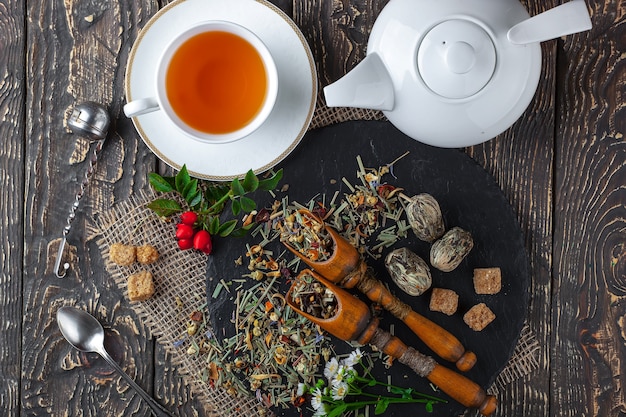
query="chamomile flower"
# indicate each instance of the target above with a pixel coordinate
(322, 411)
(331, 368)
(340, 391)
(317, 399)
(340, 376)
(354, 358)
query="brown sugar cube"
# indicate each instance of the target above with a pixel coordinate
(140, 286)
(121, 254)
(443, 300)
(478, 317)
(147, 254)
(487, 280)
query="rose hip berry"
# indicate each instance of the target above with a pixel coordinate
(184, 231)
(202, 241)
(188, 218)
(185, 244)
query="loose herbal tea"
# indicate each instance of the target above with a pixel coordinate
(313, 298)
(305, 234)
(274, 350)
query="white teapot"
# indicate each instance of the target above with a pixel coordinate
(453, 73)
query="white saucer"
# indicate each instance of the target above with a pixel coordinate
(271, 142)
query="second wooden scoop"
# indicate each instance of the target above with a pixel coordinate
(352, 320)
(345, 268)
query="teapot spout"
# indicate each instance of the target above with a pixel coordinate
(568, 18)
(367, 86)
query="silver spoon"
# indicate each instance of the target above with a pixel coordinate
(85, 333)
(91, 120)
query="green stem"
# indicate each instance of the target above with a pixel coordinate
(383, 384)
(220, 201)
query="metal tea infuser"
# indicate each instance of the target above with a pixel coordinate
(91, 120)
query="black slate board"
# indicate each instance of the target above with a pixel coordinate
(469, 198)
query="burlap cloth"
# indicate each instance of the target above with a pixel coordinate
(180, 284)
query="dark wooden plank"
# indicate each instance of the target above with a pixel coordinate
(590, 219)
(77, 51)
(337, 32)
(11, 204)
(522, 161)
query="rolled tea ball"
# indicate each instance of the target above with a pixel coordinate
(448, 252)
(410, 272)
(424, 216)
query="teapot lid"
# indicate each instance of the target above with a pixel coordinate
(456, 59)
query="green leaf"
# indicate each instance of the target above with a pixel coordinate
(237, 187)
(196, 201)
(165, 207)
(236, 207)
(227, 228)
(216, 192)
(250, 182)
(242, 231)
(190, 191)
(214, 225)
(338, 410)
(182, 179)
(268, 184)
(404, 392)
(429, 406)
(381, 406)
(247, 204)
(159, 183)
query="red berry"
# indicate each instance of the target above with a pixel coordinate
(188, 218)
(185, 244)
(184, 231)
(202, 241)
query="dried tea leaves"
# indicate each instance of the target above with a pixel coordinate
(410, 272)
(313, 298)
(424, 216)
(448, 252)
(306, 235)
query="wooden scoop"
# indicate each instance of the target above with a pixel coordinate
(345, 268)
(352, 321)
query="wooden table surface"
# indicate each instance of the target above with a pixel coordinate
(561, 166)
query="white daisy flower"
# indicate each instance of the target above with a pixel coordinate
(301, 389)
(322, 411)
(340, 391)
(354, 357)
(331, 368)
(340, 375)
(316, 399)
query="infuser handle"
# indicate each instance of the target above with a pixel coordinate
(457, 386)
(439, 340)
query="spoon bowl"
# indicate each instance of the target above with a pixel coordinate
(85, 333)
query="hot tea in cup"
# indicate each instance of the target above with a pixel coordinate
(216, 81)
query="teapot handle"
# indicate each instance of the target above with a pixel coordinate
(568, 18)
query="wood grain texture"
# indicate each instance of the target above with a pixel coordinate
(12, 91)
(77, 51)
(562, 166)
(590, 219)
(522, 162)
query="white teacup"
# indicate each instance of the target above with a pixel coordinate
(216, 81)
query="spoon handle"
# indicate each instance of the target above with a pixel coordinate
(157, 408)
